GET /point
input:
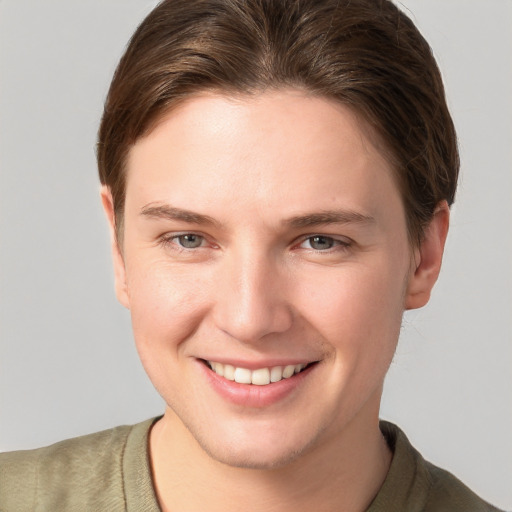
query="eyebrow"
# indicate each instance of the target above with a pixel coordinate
(164, 211)
(167, 212)
(329, 217)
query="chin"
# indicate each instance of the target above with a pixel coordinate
(254, 450)
(253, 459)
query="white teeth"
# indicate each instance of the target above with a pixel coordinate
(218, 369)
(229, 371)
(276, 373)
(243, 376)
(288, 371)
(259, 377)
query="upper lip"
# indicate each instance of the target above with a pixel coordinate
(260, 363)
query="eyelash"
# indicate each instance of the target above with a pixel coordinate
(171, 240)
(337, 244)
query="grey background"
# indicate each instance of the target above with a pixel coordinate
(67, 361)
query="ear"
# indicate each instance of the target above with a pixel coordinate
(117, 254)
(427, 259)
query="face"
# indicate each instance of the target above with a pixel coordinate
(265, 241)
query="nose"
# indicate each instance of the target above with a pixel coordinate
(252, 300)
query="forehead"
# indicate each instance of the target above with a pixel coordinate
(282, 150)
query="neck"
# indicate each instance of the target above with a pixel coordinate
(344, 473)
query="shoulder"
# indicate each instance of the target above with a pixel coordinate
(416, 485)
(84, 473)
(448, 493)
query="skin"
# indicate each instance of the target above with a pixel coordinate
(259, 288)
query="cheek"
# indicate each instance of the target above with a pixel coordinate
(166, 304)
(358, 308)
(166, 307)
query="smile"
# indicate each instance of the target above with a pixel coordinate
(259, 376)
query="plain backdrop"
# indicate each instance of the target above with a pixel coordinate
(67, 360)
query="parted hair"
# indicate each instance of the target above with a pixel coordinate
(366, 54)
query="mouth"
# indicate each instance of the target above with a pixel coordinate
(259, 376)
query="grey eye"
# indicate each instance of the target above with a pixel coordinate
(190, 241)
(320, 243)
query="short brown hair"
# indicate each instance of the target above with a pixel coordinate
(364, 53)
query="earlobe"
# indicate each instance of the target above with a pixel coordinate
(117, 255)
(428, 258)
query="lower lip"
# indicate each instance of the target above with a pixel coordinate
(251, 395)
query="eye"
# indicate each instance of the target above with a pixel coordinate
(322, 243)
(189, 240)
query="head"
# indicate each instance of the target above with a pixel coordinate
(365, 54)
(277, 177)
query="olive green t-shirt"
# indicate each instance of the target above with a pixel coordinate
(109, 471)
